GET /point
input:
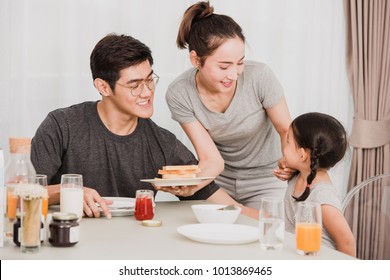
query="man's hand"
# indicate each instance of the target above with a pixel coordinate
(91, 209)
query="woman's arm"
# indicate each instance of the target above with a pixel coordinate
(221, 197)
(281, 119)
(338, 229)
(210, 163)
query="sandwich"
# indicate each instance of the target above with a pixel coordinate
(179, 171)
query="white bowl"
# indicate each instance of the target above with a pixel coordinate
(209, 213)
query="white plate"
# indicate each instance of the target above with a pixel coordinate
(177, 182)
(220, 233)
(121, 206)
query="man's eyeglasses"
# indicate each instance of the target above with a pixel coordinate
(150, 82)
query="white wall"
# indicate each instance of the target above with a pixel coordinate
(45, 47)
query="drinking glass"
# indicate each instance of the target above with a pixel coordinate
(271, 223)
(30, 216)
(144, 205)
(72, 194)
(41, 179)
(308, 228)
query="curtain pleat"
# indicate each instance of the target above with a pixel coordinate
(368, 66)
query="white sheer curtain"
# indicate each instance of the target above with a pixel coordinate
(45, 47)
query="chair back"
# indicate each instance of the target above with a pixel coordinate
(367, 210)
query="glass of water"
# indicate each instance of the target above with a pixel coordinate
(271, 223)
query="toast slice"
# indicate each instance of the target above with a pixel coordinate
(179, 171)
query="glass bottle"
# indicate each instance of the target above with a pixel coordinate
(18, 171)
(2, 198)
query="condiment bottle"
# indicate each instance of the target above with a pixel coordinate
(2, 198)
(64, 230)
(18, 170)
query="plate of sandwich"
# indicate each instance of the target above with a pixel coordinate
(178, 175)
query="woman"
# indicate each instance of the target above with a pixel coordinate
(228, 110)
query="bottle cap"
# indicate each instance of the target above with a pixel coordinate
(151, 223)
(19, 145)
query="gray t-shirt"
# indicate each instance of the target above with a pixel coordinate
(75, 140)
(243, 134)
(322, 193)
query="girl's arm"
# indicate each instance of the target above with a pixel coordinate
(337, 227)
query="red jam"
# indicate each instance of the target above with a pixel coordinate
(144, 208)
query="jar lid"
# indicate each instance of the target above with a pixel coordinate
(151, 223)
(64, 216)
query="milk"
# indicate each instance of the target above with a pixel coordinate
(71, 200)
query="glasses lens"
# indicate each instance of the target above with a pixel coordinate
(150, 83)
(138, 90)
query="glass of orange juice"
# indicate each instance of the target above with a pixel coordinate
(308, 228)
(12, 203)
(41, 179)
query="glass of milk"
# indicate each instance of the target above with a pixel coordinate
(71, 194)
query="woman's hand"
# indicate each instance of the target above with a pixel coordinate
(180, 190)
(283, 172)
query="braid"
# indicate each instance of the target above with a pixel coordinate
(313, 172)
(313, 166)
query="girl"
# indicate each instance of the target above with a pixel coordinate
(315, 142)
(232, 113)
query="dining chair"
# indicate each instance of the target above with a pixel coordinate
(367, 210)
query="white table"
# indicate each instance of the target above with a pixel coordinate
(123, 238)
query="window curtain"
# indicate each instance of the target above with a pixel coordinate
(368, 66)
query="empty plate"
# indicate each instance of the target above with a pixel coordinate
(121, 206)
(220, 233)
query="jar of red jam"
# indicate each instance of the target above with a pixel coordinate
(144, 205)
(64, 230)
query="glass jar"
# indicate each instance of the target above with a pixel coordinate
(144, 205)
(64, 230)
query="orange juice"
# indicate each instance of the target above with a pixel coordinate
(308, 237)
(45, 206)
(12, 202)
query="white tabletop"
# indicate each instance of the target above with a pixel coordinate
(125, 238)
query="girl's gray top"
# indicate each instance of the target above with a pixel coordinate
(322, 193)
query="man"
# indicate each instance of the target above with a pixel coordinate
(113, 142)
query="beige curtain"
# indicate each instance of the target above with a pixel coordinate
(368, 64)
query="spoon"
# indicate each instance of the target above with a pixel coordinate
(228, 207)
